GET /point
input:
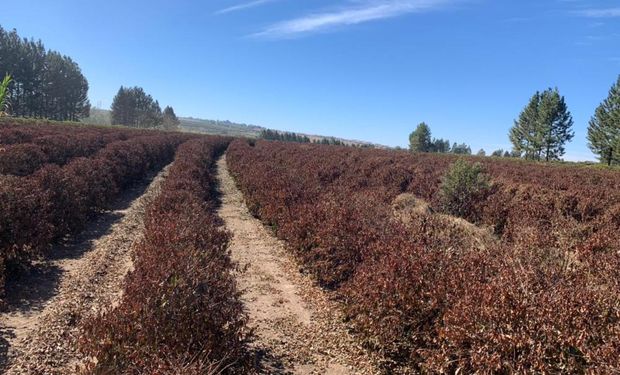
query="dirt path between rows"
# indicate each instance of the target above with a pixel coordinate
(298, 329)
(40, 329)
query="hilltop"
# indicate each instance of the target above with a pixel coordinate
(219, 127)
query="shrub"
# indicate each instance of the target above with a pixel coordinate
(181, 311)
(541, 298)
(54, 201)
(463, 188)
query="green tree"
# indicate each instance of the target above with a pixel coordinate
(524, 135)
(420, 139)
(462, 188)
(44, 83)
(441, 145)
(170, 120)
(133, 107)
(604, 128)
(461, 149)
(544, 127)
(481, 152)
(557, 123)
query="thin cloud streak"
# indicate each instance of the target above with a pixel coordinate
(244, 6)
(348, 16)
(600, 13)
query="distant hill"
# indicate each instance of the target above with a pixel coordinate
(215, 127)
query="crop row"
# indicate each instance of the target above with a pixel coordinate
(432, 295)
(16, 131)
(26, 148)
(180, 311)
(44, 207)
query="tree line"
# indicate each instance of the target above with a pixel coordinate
(45, 83)
(274, 135)
(132, 106)
(420, 141)
(543, 129)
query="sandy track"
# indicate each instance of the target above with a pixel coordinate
(40, 329)
(298, 329)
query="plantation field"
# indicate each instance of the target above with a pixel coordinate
(176, 253)
(533, 287)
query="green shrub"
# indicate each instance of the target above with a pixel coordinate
(4, 93)
(463, 188)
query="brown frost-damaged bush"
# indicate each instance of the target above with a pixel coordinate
(540, 296)
(180, 311)
(54, 201)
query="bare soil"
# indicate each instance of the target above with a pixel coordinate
(39, 331)
(298, 329)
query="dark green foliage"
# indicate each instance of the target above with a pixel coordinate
(543, 128)
(506, 154)
(46, 84)
(274, 135)
(170, 119)
(441, 145)
(463, 187)
(420, 139)
(604, 129)
(461, 149)
(134, 107)
(330, 141)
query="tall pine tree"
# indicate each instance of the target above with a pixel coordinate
(524, 134)
(420, 139)
(604, 128)
(170, 120)
(134, 107)
(45, 83)
(543, 128)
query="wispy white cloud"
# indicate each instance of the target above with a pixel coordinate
(600, 13)
(357, 12)
(243, 6)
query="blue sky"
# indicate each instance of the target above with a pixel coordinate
(361, 69)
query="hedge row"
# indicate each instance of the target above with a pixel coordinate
(541, 297)
(180, 311)
(26, 148)
(19, 130)
(55, 201)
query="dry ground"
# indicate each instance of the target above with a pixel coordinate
(298, 329)
(40, 329)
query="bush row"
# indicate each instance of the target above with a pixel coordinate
(430, 295)
(180, 311)
(19, 130)
(26, 148)
(55, 201)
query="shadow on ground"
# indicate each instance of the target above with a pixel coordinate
(29, 288)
